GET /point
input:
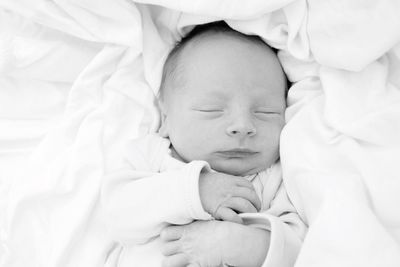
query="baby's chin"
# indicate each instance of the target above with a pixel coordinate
(237, 169)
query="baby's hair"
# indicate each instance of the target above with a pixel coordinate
(171, 67)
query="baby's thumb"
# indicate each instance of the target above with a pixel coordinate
(226, 214)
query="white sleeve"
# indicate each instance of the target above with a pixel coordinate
(284, 244)
(137, 204)
(286, 228)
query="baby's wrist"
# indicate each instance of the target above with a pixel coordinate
(205, 194)
(242, 241)
(260, 240)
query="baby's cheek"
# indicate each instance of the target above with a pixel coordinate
(270, 147)
(190, 150)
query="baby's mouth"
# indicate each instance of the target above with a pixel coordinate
(237, 153)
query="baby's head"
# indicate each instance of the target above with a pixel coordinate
(223, 98)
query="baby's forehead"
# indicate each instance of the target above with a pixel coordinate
(208, 47)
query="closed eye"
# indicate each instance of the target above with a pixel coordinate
(266, 112)
(209, 110)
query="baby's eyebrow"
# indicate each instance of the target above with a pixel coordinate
(208, 102)
(213, 95)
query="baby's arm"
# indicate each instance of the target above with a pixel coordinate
(148, 191)
(136, 204)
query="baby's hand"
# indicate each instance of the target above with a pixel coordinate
(214, 243)
(196, 244)
(224, 196)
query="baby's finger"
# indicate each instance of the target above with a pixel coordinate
(240, 205)
(249, 194)
(171, 248)
(227, 214)
(171, 233)
(240, 181)
(177, 260)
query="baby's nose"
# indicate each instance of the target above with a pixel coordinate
(241, 127)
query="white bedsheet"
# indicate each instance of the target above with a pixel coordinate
(77, 80)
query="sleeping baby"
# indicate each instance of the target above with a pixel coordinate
(207, 189)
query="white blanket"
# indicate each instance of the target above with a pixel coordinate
(78, 78)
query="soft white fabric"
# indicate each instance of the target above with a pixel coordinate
(150, 190)
(154, 189)
(77, 80)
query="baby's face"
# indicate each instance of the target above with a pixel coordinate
(230, 110)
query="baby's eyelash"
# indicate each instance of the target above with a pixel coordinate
(209, 110)
(266, 112)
